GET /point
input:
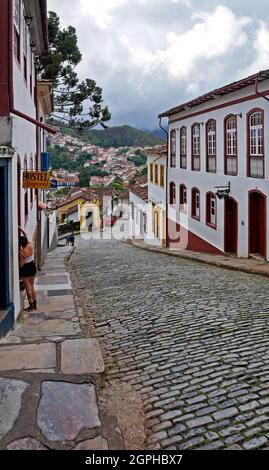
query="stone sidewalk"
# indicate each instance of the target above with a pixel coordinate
(48, 368)
(250, 266)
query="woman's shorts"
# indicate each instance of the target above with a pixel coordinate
(28, 270)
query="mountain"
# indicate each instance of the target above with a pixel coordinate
(121, 136)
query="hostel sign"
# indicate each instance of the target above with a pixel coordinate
(36, 180)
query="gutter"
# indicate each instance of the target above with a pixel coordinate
(257, 91)
(166, 198)
(13, 110)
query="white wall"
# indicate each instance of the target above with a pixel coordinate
(240, 185)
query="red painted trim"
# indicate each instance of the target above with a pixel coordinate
(225, 225)
(194, 242)
(254, 110)
(192, 147)
(265, 219)
(193, 204)
(221, 106)
(225, 144)
(206, 141)
(4, 42)
(208, 212)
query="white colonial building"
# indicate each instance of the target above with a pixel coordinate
(23, 36)
(218, 170)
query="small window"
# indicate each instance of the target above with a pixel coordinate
(145, 222)
(156, 174)
(173, 147)
(196, 203)
(183, 198)
(211, 210)
(172, 194)
(162, 176)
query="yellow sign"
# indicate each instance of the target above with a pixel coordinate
(36, 180)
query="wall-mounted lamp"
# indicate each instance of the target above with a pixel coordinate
(28, 20)
(240, 115)
(223, 192)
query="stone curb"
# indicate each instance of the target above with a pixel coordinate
(186, 255)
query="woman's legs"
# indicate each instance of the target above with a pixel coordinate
(28, 287)
(32, 282)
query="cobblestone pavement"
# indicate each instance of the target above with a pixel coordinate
(191, 339)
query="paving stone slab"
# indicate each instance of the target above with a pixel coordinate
(81, 356)
(65, 409)
(28, 357)
(10, 403)
(27, 443)
(99, 443)
(54, 327)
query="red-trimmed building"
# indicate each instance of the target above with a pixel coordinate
(218, 170)
(23, 37)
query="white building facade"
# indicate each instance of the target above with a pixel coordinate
(218, 171)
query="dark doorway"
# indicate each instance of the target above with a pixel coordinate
(231, 226)
(4, 271)
(257, 224)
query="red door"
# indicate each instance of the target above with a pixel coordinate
(257, 226)
(231, 226)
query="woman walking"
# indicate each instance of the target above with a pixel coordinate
(27, 269)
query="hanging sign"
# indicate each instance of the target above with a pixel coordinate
(36, 179)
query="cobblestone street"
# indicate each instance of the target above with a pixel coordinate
(191, 339)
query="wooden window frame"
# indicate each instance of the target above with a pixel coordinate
(209, 223)
(183, 198)
(156, 173)
(183, 154)
(249, 153)
(17, 31)
(172, 195)
(151, 172)
(226, 154)
(194, 193)
(212, 156)
(195, 154)
(162, 176)
(173, 148)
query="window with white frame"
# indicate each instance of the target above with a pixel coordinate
(173, 148)
(25, 43)
(183, 198)
(256, 144)
(196, 203)
(172, 194)
(196, 147)
(183, 147)
(211, 209)
(231, 146)
(17, 28)
(211, 138)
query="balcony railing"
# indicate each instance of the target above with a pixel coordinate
(196, 163)
(231, 165)
(183, 162)
(256, 167)
(173, 161)
(211, 164)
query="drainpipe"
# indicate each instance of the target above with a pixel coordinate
(257, 91)
(166, 198)
(13, 110)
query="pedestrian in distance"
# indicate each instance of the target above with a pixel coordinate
(28, 269)
(67, 238)
(72, 239)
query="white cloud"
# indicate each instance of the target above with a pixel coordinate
(213, 35)
(261, 47)
(100, 10)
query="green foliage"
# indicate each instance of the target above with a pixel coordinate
(138, 160)
(70, 95)
(85, 175)
(121, 136)
(117, 184)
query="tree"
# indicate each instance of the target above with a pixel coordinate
(84, 178)
(117, 184)
(71, 94)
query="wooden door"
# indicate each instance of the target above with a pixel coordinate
(231, 225)
(257, 224)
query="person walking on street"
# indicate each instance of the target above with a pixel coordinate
(28, 269)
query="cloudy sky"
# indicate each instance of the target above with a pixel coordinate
(150, 55)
